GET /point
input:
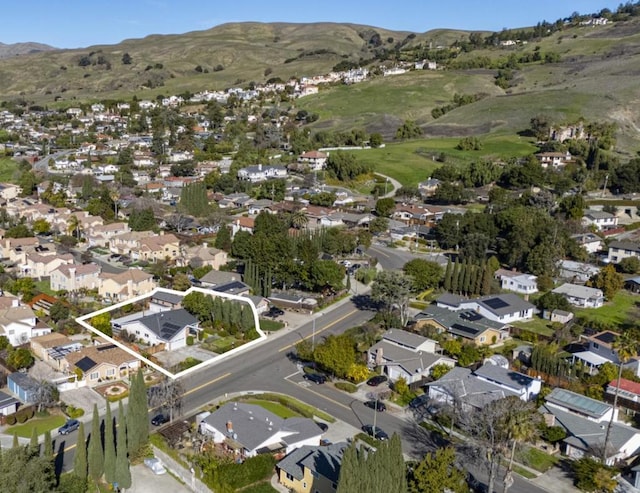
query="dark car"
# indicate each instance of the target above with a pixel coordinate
(377, 405)
(274, 312)
(323, 426)
(159, 419)
(315, 378)
(70, 426)
(377, 380)
(376, 432)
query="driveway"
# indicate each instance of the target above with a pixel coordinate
(83, 398)
(170, 359)
(144, 481)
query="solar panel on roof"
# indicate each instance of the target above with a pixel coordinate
(606, 337)
(496, 303)
(86, 363)
(463, 329)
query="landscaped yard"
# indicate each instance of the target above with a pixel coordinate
(536, 325)
(41, 424)
(8, 169)
(275, 407)
(614, 312)
(44, 287)
(535, 458)
(270, 325)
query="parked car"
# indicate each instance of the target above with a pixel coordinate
(323, 426)
(377, 405)
(274, 312)
(159, 419)
(315, 378)
(376, 432)
(155, 465)
(70, 426)
(377, 380)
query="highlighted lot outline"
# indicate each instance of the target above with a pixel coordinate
(84, 322)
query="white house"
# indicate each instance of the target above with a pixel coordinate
(504, 308)
(249, 430)
(168, 327)
(582, 296)
(259, 173)
(18, 324)
(599, 219)
(511, 280)
(590, 242)
(619, 250)
(315, 160)
(554, 159)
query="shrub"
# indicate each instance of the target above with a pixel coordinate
(74, 412)
(11, 419)
(189, 340)
(31, 412)
(21, 417)
(347, 387)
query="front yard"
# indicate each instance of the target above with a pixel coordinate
(47, 423)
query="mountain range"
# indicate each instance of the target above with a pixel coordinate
(10, 50)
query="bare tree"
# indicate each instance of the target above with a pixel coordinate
(177, 221)
(168, 395)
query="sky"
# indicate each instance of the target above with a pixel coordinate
(82, 23)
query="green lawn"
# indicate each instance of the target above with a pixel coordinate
(275, 408)
(535, 458)
(270, 325)
(8, 168)
(537, 325)
(259, 488)
(44, 287)
(41, 424)
(614, 312)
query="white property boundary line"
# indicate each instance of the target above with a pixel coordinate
(262, 336)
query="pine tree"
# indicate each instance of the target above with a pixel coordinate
(33, 444)
(80, 459)
(454, 277)
(47, 447)
(122, 471)
(447, 275)
(95, 452)
(109, 447)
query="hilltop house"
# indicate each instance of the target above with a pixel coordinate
(512, 280)
(170, 327)
(259, 173)
(554, 159)
(504, 308)
(249, 430)
(403, 354)
(619, 250)
(582, 296)
(314, 160)
(600, 220)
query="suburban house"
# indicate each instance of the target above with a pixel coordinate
(314, 160)
(52, 349)
(554, 159)
(125, 243)
(170, 327)
(628, 393)
(592, 243)
(8, 404)
(161, 301)
(258, 173)
(505, 308)
(38, 266)
(475, 389)
(15, 248)
(22, 386)
(582, 296)
(158, 247)
(511, 280)
(100, 363)
(249, 429)
(242, 223)
(599, 350)
(403, 354)
(74, 277)
(217, 277)
(632, 284)
(233, 287)
(428, 187)
(125, 285)
(203, 255)
(466, 324)
(619, 250)
(585, 420)
(102, 234)
(312, 468)
(576, 272)
(600, 220)
(9, 191)
(18, 323)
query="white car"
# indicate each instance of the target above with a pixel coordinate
(155, 465)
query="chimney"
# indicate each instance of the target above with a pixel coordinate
(229, 427)
(259, 167)
(15, 302)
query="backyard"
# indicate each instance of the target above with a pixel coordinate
(616, 312)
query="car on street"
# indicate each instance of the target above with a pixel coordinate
(159, 419)
(375, 432)
(315, 378)
(377, 380)
(70, 426)
(377, 405)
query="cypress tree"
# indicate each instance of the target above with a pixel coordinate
(348, 480)
(460, 281)
(16, 442)
(47, 447)
(80, 459)
(454, 277)
(217, 309)
(398, 471)
(132, 412)
(95, 453)
(226, 314)
(486, 280)
(122, 472)
(247, 321)
(33, 444)
(479, 276)
(143, 410)
(235, 313)
(109, 447)
(466, 283)
(447, 276)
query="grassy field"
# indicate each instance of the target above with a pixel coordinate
(413, 161)
(41, 424)
(8, 168)
(618, 311)
(275, 408)
(537, 325)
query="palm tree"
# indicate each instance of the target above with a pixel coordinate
(299, 219)
(521, 425)
(626, 347)
(74, 226)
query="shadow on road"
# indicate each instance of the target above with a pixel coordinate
(422, 440)
(364, 302)
(58, 461)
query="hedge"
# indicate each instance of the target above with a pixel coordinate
(346, 387)
(11, 419)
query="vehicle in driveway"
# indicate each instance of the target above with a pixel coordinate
(155, 465)
(315, 378)
(376, 432)
(377, 405)
(377, 380)
(159, 419)
(70, 426)
(274, 312)
(323, 426)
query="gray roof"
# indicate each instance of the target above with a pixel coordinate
(233, 287)
(324, 461)
(6, 400)
(168, 297)
(588, 435)
(24, 381)
(463, 323)
(450, 299)
(578, 291)
(411, 361)
(167, 324)
(253, 425)
(625, 245)
(598, 214)
(404, 338)
(503, 376)
(578, 403)
(504, 304)
(215, 277)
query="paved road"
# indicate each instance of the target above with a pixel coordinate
(43, 164)
(395, 258)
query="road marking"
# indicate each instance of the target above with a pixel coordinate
(294, 373)
(321, 395)
(210, 382)
(318, 331)
(380, 252)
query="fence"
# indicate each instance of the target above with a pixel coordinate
(189, 479)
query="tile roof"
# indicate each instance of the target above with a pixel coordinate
(92, 356)
(626, 385)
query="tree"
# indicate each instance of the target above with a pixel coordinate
(181, 282)
(438, 472)
(95, 454)
(41, 226)
(168, 395)
(142, 219)
(335, 354)
(23, 469)
(109, 447)
(375, 140)
(223, 239)
(299, 219)
(123, 472)
(126, 59)
(392, 289)
(385, 206)
(590, 475)
(74, 226)
(193, 199)
(630, 265)
(102, 322)
(378, 225)
(20, 358)
(408, 130)
(137, 415)
(47, 445)
(425, 274)
(59, 311)
(80, 459)
(608, 280)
